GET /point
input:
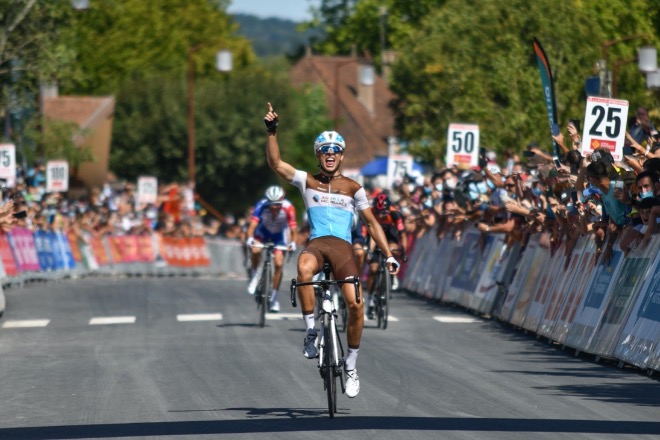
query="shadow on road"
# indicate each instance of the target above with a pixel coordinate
(265, 420)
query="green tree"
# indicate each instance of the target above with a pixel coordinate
(150, 135)
(473, 62)
(32, 50)
(367, 25)
(122, 39)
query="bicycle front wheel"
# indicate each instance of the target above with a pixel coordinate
(330, 378)
(266, 283)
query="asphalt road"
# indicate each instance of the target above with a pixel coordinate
(183, 358)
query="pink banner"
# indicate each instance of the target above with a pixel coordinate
(25, 252)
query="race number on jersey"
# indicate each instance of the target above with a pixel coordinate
(462, 145)
(147, 189)
(8, 163)
(57, 176)
(605, 125)
(398, 166)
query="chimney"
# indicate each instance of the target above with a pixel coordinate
(366, 81)
(47, 89)
(389, 56)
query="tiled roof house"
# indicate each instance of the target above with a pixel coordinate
(361, 112)
(94, 115)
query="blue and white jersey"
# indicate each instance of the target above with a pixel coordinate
(331, 203)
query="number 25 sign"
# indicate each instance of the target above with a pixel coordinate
(605, 125)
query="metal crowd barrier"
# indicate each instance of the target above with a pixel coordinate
(610, 310)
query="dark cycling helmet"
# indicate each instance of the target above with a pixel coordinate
(382, 202)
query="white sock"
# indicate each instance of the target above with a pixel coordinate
(351, 358)
(372, 301)
(273, 296)
(309, 323)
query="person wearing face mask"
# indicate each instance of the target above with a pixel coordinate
(646, 182)
(504, 220)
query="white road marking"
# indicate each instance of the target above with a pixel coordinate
(199, 317)
(455, 319)
(26, 323)
(112, 320)
(284, 316)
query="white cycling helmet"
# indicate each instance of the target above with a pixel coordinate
(275, 194)
(329, 138)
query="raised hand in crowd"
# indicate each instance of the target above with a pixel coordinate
(7, 219)
(574, 135)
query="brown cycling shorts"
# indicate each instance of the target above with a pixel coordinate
(337, 252)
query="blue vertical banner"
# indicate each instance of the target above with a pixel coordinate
(44, 250)
(548, 89)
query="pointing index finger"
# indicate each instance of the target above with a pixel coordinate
(270, 108)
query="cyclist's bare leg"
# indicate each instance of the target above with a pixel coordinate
(355, 316)
(307, 267)
(278, 263)
(254, 257)
(358, 254)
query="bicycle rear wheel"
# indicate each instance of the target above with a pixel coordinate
(343, 315)
(330, 378)
(380, 281)
(385, 302)
(265, 285)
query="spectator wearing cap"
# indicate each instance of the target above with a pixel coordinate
(616, 199)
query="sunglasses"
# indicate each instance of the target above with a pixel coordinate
(331, 149)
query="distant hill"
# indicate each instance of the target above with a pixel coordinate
(272, 36)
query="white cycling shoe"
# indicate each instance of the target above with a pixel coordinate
(254, 282)
(352, 383)
(309, 348)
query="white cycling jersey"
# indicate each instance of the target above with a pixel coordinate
(331, 203)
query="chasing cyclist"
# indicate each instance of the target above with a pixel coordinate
(273, 220)
(330, 199)
(392, 223)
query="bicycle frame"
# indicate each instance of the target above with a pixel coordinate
(266, 282)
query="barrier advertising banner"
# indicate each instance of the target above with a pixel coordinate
(593, 303)
(25, 253)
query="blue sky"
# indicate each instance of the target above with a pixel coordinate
(296, 10)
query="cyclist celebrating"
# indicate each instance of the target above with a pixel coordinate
(392, 224)
(330, 199)
(273, 220)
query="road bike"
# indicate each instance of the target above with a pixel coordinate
(330, 348)
(382, 291)
(265, 287)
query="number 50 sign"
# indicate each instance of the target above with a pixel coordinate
(605, 125)
(462, 145)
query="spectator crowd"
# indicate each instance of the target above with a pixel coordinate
(616, 202)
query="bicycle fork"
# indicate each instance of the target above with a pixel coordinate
(329, 312)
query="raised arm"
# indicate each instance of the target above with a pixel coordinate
(283, 169)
